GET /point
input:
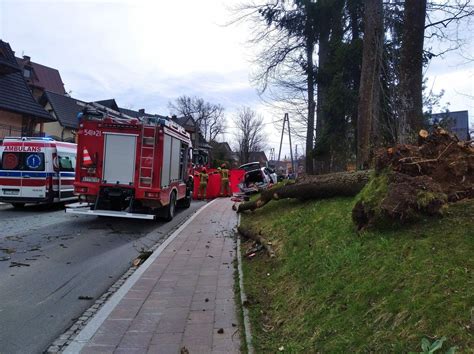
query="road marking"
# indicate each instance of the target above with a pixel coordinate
(91, 328)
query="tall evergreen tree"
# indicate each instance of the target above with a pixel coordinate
(411, 68)
(369, 91)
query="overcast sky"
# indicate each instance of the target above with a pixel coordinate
(145, 53)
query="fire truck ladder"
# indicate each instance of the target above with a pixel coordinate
(147, 151)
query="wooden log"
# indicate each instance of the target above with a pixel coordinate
(257, 238)
(313, 187)
(422, 135)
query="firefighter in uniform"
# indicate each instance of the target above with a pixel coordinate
(225, 186)
(203, 178)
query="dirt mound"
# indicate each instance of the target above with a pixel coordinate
(413, 180)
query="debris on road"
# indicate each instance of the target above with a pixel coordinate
(142, 257)
(18, 264)
(82, 297)
(260, 242)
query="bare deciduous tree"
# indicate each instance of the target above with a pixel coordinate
(249, 133)
(286, 32)
(208, 117)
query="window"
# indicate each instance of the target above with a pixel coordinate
(67, 162)
(27, 73)
(24, 161)
(10, 161)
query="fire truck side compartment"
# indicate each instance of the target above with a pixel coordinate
(166, 168)
(119, 158)
(175, 159)
(171, 163)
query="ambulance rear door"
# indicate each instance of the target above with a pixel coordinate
(10, 173)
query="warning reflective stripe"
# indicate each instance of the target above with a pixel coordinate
(68, 174)
(34, 174)
(17, 182)
(10, 174)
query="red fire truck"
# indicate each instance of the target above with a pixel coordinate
(128, 167)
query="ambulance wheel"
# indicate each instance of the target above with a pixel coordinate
(171, 207)
(18, 205)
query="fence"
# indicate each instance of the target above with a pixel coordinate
(8, 130)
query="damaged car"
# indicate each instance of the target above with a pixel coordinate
(257, 177)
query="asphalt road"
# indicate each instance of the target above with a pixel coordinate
(61, 257)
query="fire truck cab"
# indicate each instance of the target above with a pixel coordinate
(128, 167)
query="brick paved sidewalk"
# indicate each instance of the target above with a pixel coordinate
(185, 298)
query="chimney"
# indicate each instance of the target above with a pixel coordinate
(141, 111)
(26, 58)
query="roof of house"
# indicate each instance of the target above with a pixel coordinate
(258, 156)
(186, 122)
(139, 113)
(43, 77)
(7, 59)
(130, 112)
(110, 103)
(65, 108)
(224, 145)
(459, 122)
(15, 95)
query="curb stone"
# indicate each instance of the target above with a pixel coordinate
(243, 296)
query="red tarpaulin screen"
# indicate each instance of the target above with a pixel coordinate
(214, 183)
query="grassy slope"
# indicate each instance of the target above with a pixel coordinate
(332, 290)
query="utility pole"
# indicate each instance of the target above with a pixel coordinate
(296, 161)
(272, 154)
(286, 120)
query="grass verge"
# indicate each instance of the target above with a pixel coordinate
(332, 290)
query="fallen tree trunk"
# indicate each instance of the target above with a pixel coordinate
(257, 238)
(313, 187)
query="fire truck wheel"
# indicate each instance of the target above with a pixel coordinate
(186, 201)
(170, 208)
(18, 205)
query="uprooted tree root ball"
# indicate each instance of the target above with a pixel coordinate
(412, 181)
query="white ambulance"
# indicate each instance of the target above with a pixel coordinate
(36, 170)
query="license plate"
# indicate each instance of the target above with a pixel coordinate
(11, 191)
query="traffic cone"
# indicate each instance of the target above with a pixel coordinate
(86, 159)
